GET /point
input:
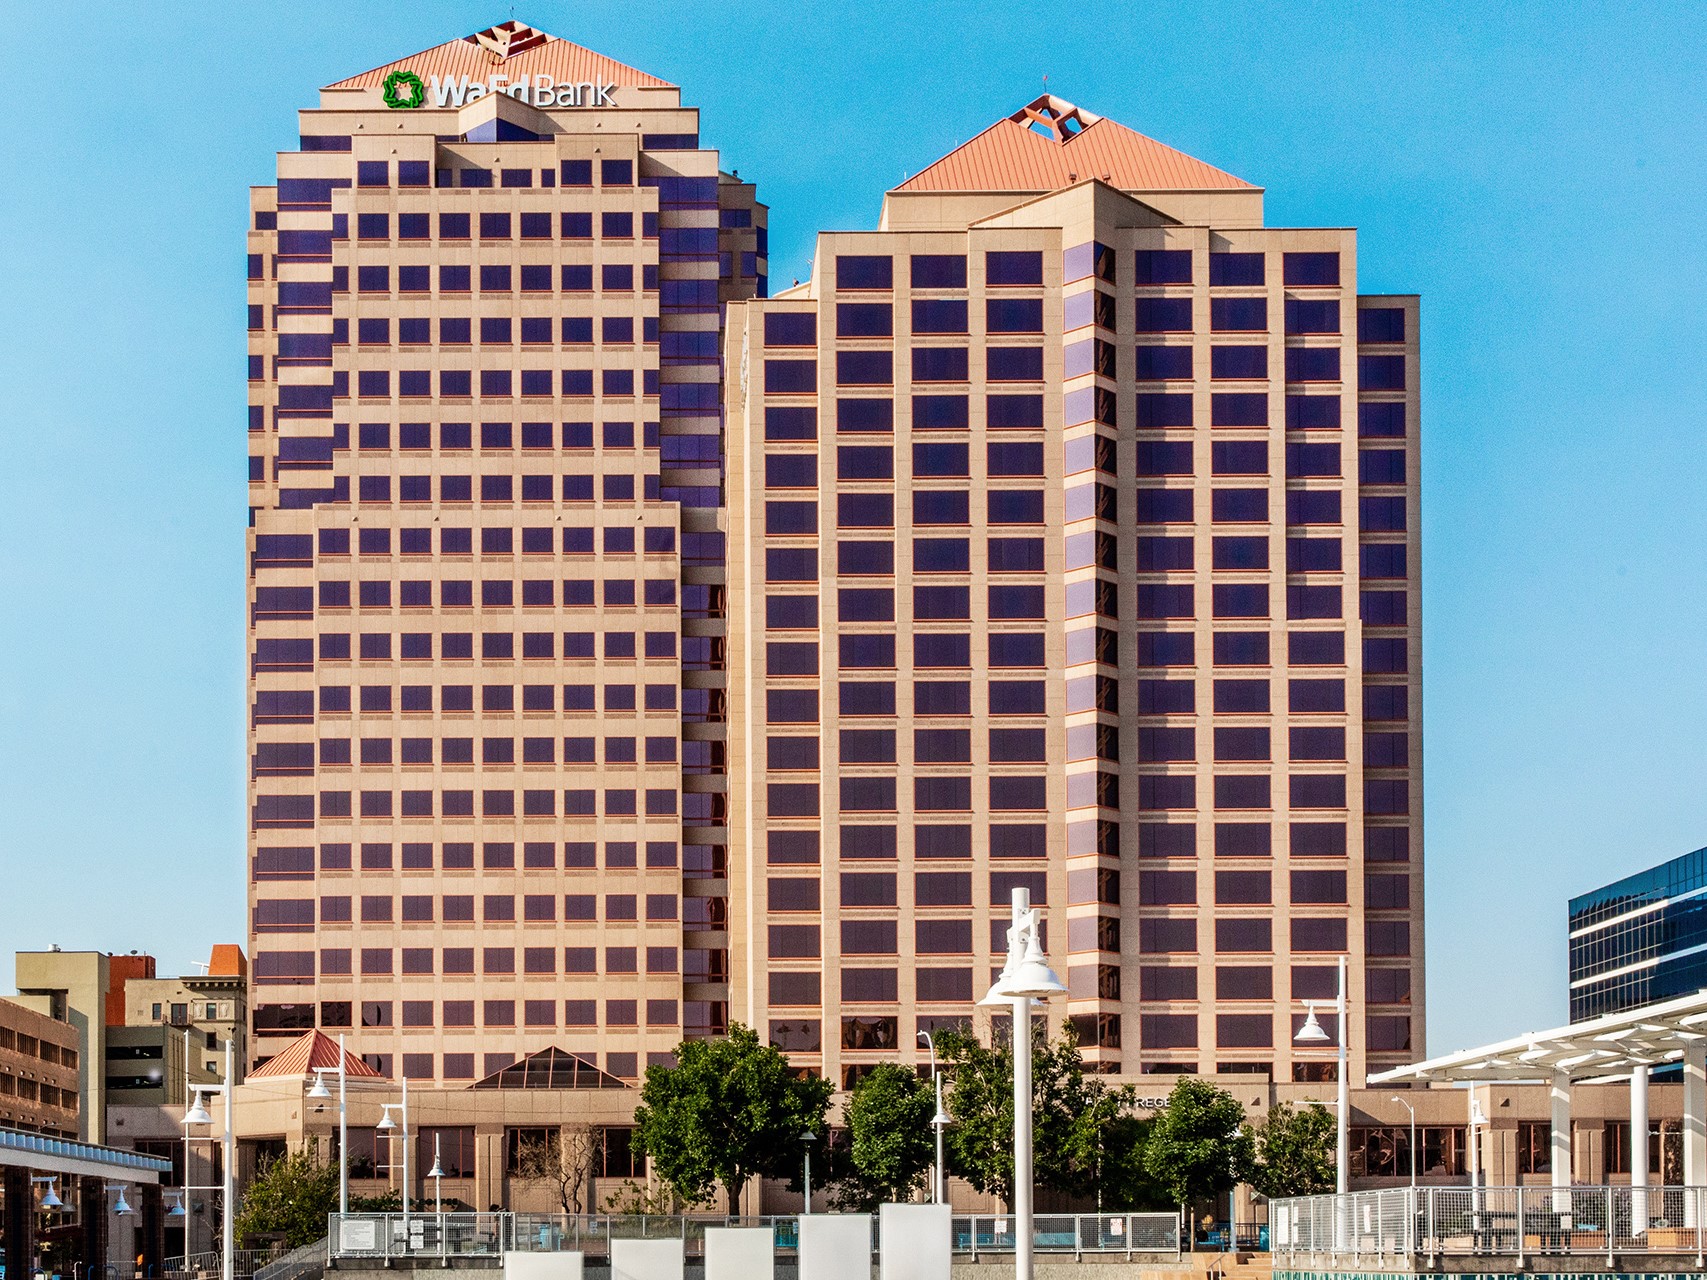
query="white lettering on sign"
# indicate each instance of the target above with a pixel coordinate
(538, 91)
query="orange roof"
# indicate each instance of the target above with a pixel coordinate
(307, 1052)
(515, 49)
(1012, 155)
(227, 961)
(120, 970)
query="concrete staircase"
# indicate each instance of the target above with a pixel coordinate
(1241, 1266)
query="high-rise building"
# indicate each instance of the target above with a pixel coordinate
(486, 596)
(1641, 939)
(1073, 544)
(1072, 523)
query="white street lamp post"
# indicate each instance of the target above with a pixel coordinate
(939, 1121)
(437, 1173)
(319, 1090)
(198, 1115)
(1311, 1033)
(806, 1139)
(1025, 977)
(387, 1124)
(1408, 1107)
(343, 1138)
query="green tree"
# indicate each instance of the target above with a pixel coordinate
(1198, 1146)
(1295, 1151)
(728, 1110)
(1075, 1117)
(290, 1198)
(891, 1144)
(1124, 1180)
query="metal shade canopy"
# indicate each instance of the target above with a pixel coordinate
(1598, 1048)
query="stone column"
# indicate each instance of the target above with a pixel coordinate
(18, 1221)
(92, 1224)
(151, 1229)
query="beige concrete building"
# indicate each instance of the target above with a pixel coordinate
(212, 1007)
(486, 627)
(72, 987)
(1073, 544)
(39, 1062)
(139, 1040)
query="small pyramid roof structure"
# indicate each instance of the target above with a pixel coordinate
(551, 1068)
(1050, 144)
(517, 51)
(309, 1052)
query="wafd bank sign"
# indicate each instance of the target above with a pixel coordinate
(404, 90)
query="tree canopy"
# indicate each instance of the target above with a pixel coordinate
(728, 1110)
(1083, 1131)
(1198, 1146)
(290, 1198)
(1295, 1151)
(891, 1145)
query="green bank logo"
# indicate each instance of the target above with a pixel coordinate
(404, 90)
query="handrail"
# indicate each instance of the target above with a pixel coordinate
(298, 1262)
(1504, 1222)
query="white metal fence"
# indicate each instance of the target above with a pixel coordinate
(444, 1235)
(1505, 1222)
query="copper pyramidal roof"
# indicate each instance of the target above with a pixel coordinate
(309, 1052)
(514, 49)
(1050, 143)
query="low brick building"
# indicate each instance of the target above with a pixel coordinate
(38, 1072)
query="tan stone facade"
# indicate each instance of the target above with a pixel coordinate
(486, 585)
(1073, 544)
(212, 1008)
(1069, 529)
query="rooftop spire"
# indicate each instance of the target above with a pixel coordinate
(1054, 116)
(507, 38)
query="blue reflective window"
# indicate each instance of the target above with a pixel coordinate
(1162, 266)
(1228, 269)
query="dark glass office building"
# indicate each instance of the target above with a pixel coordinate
(1640, 939)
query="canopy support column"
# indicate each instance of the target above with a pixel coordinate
(1694, 1125)
(1560, 1154)
(1639, 1149)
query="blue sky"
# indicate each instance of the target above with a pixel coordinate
(1536, 172)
